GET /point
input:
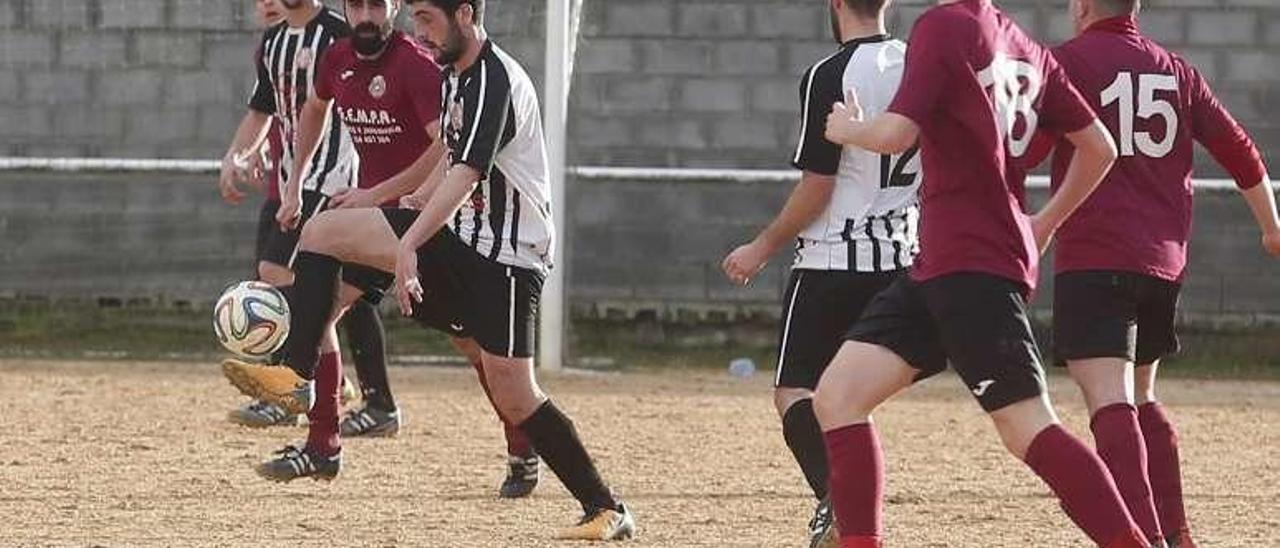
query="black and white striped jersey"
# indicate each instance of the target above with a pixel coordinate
(870, 224)
(286, 61)
(492, 123)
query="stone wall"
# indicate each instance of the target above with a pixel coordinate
(707, 83)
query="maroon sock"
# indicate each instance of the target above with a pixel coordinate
(1083, 486)
(517, 443)
(855, 482)
(1120, 445)
(1163, 467)
(322, 433)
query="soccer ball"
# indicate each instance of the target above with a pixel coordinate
(251, 319)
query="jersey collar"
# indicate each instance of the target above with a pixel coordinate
(866, 40)
(1120, 24)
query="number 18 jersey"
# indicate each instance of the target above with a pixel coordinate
(979, 89)
(870, 223)
(1156, 105)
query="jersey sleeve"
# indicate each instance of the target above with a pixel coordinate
(486, 109)
(1221, 134)
(928, 66)
(1063, 110)
(815, 153)
(263, 98)
(425, 83)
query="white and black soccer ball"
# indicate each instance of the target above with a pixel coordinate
(251, 319)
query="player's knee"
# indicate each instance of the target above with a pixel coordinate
(274, 274)
(1019, 423)
(784, 397)
(511, 385)
(320, 233)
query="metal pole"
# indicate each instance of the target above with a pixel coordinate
(556, 101)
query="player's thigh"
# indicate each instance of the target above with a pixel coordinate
(360, 236)
(282, 245)
(266, 225)
(1156, 317)
(860, 378)
(1144, 382)
(982, 323)
(1095, 315)
(819, 309)
(895, 331)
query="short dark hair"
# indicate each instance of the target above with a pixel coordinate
(868, 9)
(1117, 7)
(451, 6)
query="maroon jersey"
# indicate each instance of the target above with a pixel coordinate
(979, 89)
(1155, 104)
(386, 103)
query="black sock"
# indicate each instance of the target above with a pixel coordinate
(369, 350)
(556, 440)
(281, 356)
(804, 436)
(315, 288)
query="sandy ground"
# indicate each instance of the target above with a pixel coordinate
(139, 454)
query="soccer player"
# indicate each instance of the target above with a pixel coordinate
(479, 247)
(853, 220)
(1121, 258)
(974, 90)
(387, 91)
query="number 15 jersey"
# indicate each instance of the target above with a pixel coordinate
(870, 223)
(1156, 105)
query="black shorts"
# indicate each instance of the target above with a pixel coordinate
(497, 304)
(1112, 314)
(819, 308)
(430, 313)
(282, 247)
(976, 322)
(266, 225)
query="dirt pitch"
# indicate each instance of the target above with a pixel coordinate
(139, 454)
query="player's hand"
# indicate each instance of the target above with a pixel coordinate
(413, 201)
(256, 173)
(232, 169)
(845, 119)
(1042, 231)
(744, 263)
(408, 286)
(353, 198)
(290, 212)
(1271, 242)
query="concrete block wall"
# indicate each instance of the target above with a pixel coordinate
(633, 245)
(712, 83)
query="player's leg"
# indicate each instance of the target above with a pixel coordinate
(892, 344)
(321, 456)
(378, 416)
(1157, 339)
(819, 308)
(1095, 329)
(325, 242)
(983, 325)
(860, 378)
(523, 468)
(500, 313)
